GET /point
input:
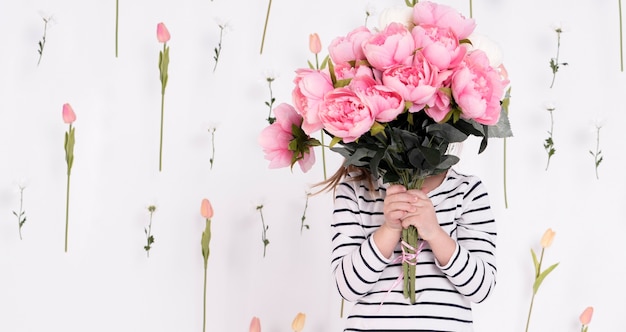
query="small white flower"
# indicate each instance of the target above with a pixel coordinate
(559, 27)
(549, 106)
(399, 14)
(370, 9)
(225, 25)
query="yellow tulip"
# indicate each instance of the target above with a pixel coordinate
(298, 322)
(546, 239)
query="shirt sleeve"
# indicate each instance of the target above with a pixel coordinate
(472, 268)
(356, 261)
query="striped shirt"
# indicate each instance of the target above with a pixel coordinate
(443, 294)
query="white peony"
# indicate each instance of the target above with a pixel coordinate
(481, 42)
(399, 14)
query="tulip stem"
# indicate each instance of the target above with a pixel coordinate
(204, 302)
(67, 207)
(506, 200)
(117, 18)
(267, 17)
(323, 155)
(161, 138)
(621, 44)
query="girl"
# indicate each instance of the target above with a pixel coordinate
(455, 267)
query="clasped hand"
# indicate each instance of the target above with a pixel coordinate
(403, 208)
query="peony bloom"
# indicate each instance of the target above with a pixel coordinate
(417, 83)
(275, 140)
(298, 322)
(478, 88)
(255, 324)
(585, 317)
(345, 115)
(547, 238)
(385, 103)
(68, 114)
(349, 48)
(439, 46)
(396, 14)
(442, 16)
(163, 35)
(491, 49)
(308, 96)
(315, 45)
(206, 209)
(392, 46)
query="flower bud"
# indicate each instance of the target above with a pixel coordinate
(255, 324)
(298, 323)
(546, 239)
(585, 317)
(163, 35)
(206, 209)
(68, 114)
(315, 45)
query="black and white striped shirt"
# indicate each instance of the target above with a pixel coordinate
(443, 293)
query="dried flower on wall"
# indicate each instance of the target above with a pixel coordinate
(548, 144)
(264, 238)
(21, 214)
(546, 242)
(47, 20)
(554, 62)
(224, 27)
(163, 36)
(68, 117)
(597, 154)
(306, 205)
(269, 78)
(206, 210)
(212, 132)
(148, 231)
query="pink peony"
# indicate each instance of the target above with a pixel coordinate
(347, 71)
(275, 139)
(439, 45)
(345, 115)
(348, 48)
(442, 16)
(68, 114)
(392, 46)
(308, 96)
(163, 35)
(417, 83)
(385, 103)
(478, 88)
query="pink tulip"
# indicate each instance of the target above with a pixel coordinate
(255, 324)
(163, 35)
(68, 114)
(585, 317)
(206, 209)
(315, 45)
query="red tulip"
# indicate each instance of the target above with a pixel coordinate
(163, 35)
(68, 114)
(206, 209)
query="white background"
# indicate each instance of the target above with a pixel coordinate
(106, 283)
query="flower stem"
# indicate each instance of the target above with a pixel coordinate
(506, 200)
(532, 300)
(161, 137)
(470, 5)
(621, 45)
(323, 154)
(117, 17)
(204, 302)
(267, 17)
(555, 65)
(42, 43)
(67, 208)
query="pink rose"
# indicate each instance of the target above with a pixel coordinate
(345, 115)
(275, 139)
(478, 88)
(392, 46)
(308, 96)
(439, 45)
(348, 48)
(442, 16)
(384, 103)
(417, 83)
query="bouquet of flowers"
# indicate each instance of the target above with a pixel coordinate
(394, 99)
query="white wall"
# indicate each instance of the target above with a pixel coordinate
(106, 283)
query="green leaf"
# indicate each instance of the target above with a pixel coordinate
(535, 262)
(310, 65)
(325, 62)
(206, 239)
(542, 276)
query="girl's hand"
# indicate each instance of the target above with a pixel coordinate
(399, 202)
(424, 217)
